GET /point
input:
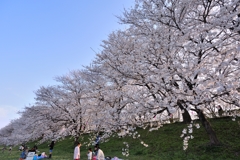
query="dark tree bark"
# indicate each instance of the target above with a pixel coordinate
(208, 128)
(186, 116)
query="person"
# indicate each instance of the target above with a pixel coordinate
(36, 148)
(10, 149)
(99, 153)
(43, 155)
(33, 150)
(20, 148)
(89, 154)
(24, 147)
(4, 148)
(76, 155)
(35, 157)
(97, 140)
(51, 149)
(170, 117)
(23, 155)
(220, 111)
(94, 154)
(40, 156)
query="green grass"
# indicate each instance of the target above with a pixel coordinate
(164, 144)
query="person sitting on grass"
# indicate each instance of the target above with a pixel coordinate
(40, 156)
(35, 157)
(33, 150)
(23, 155)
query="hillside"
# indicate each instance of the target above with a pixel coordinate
(163, 144)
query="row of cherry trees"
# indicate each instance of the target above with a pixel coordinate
(175, 56)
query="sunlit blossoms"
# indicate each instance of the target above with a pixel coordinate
(144, 144)
(125, 150)
(187, 134)
(176, 61)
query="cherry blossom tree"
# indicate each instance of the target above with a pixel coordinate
(68, 103)
(32, 125)
(175, 56)
(180, 53)
(5, 134)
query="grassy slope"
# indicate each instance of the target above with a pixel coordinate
(164, 144)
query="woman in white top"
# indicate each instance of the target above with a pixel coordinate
(76, 155)
(89, 154)
(100, 154)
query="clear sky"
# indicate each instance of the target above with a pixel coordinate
(42, 39)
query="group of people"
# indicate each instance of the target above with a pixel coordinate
(43, 155)
(97, 154)
(25, 151)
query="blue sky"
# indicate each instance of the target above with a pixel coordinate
(42, 39)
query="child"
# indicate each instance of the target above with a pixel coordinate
(94, 154)
(89, 154)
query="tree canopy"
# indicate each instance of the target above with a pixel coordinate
(176, 58)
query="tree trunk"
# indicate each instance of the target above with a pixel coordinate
(186, 116)
(208, 128)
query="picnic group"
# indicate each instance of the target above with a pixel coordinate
(34, 154)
